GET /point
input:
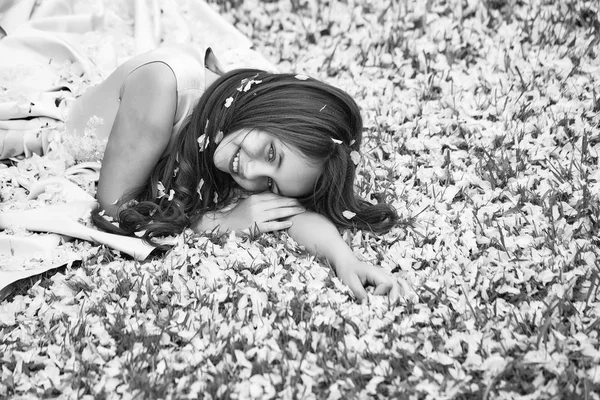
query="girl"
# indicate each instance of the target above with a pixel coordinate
(184, 141)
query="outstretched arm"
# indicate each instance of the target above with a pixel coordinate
(319, 236)
(269, 212)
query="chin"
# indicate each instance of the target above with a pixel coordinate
(239, 182)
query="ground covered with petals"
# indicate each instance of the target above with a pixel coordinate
(483, 130)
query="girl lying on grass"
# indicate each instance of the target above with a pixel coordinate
(183, 140)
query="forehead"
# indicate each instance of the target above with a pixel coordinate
(298, 174)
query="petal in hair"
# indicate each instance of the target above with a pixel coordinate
(202, 143)
(171, 194)
(219, 137)
(161, 190)
(228, 102)
(140, 233)
(348, 214)
(301, 77)
(355, 157)
(249, 84)
(336, 141)
(243, 82)
(199, 188)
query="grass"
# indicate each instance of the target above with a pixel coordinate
(483, 130)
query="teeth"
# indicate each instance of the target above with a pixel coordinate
(236, 162)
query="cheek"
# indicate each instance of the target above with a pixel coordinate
(223, 154)
(219, 157)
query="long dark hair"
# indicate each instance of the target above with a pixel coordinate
(320, 120)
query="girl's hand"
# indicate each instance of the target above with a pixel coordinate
(257, 213)
(357, 275)
(320, 237)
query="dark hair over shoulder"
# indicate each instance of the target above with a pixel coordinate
(323, 122)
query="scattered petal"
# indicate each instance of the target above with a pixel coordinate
(355, 156)
(348, 214)
(301, 77)
(228, 102)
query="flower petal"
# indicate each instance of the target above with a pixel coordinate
(348, 214)
(202, 143)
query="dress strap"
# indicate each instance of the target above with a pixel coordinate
(213, 68)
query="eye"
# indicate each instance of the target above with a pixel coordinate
(271, 153)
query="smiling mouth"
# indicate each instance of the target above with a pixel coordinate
(235, 162)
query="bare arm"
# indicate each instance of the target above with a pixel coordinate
(319, 236)
(270, 212)
(140, 133)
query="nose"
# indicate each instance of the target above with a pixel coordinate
(256, 169)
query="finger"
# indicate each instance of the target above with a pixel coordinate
(252, 231)
(355, 285)
(280, 202)
(383, 288)
(407, 291)
(395, 292)
(284, 212)
(273, 226)
(267, 195)
(264, 196)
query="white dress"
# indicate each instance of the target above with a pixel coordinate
(59, 65)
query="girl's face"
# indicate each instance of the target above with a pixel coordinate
(259, 161)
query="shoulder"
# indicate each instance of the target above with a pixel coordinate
(156, 76)
(150, 92)
(174, 67)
